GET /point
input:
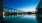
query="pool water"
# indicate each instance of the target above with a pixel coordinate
(20, 19)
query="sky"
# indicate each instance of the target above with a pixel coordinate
(24, 5)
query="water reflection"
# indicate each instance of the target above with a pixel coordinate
(21, 19)
(39, 18)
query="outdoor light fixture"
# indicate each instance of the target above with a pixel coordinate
(3, 14)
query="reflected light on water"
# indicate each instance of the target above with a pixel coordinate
(30, 16)
(3, 16)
